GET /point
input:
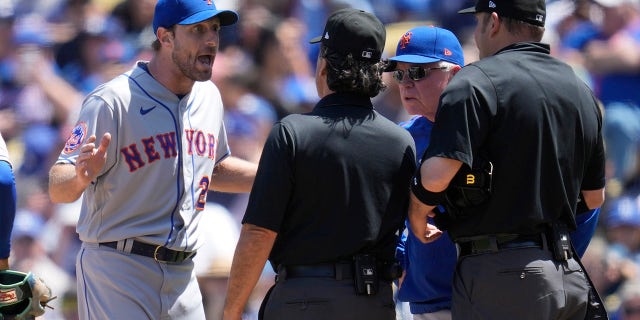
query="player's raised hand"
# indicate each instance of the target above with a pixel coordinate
(91, 160)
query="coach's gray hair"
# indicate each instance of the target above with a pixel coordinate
(346, 74)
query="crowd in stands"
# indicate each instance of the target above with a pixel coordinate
(54, 52)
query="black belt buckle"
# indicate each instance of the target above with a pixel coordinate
(164, 255)
(484, 245)
(155, 254)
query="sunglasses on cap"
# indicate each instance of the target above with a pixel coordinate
(415, 73)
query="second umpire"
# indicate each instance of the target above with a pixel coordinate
(526, 134)
(330, 192)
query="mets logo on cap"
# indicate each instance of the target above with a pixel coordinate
(406, 38)
(76, 138)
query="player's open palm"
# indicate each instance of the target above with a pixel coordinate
(91, 159)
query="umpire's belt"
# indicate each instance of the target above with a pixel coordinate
(338, 271)
(495, 243)
(158, 253)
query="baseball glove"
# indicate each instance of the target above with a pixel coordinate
(22, 295)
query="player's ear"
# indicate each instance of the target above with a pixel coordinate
(494, 23)
(164, 35)
(454, 70)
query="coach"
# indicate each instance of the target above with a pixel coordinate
(525, 132)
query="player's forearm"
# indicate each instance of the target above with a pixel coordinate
(417, 216)
(251, 254)
(234, 175)
(64, 185)
(4, 264)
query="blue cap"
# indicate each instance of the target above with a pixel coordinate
(170, 12)
(27, 224)
(624, 211)
(429, 44)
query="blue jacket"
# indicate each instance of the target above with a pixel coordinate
(429, 267)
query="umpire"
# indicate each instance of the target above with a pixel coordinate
(524, 135)
(330, 190)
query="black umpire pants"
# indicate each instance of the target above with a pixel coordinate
(327, 298)
(519, 283)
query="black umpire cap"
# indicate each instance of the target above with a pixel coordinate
(356, 32)
(530, 11)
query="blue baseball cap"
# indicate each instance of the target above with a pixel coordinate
(170, 12)
(426, 44)
(624, 211)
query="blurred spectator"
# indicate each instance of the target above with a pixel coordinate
(135, 18)
(283, 76)
(8, 83)
(35, 101)
(629, 308)
(59, 235)
(612, 57)
(95, 55)
(213, 261)
(28, 255)
(622, 257)
(623, 226)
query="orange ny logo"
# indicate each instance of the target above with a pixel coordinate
(209, 2)
(404, 41)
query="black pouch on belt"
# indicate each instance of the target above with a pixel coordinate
(366, 278)
(559, 240)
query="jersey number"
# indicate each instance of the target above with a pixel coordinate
(202, 198)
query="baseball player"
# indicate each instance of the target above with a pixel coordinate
(163, 146)
(8, 204)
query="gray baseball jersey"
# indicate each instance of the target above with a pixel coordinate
(159, 163)
(4, 153)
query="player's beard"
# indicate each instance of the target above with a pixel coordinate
(189, 67)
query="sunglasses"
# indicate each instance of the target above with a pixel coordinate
(415, 73)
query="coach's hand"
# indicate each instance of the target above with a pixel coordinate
(91, 160)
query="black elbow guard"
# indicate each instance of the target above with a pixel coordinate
(425, 196)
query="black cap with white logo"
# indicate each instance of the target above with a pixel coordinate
(354, 31)
(531, 11)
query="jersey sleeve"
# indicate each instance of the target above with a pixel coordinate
(4, 152)
(7, 207)
(586, 226)
(96, 118)
(463, 117)
(223, 149)
(594, 177)
(273, 185)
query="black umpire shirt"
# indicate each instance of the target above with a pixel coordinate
(333, 183)
(538, 123)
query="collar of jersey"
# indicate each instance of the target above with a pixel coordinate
(345, 99)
